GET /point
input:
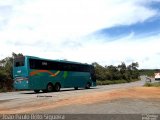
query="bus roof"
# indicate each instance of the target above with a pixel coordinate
(64, 61)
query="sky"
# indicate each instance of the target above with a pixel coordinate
(108, 32)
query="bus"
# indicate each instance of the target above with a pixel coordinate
(34, 73)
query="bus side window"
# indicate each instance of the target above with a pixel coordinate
(32, 64)
(43, 65)
(58, 66)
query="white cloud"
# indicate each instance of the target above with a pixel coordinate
(56, 29)
(142, 50)
(69, 18)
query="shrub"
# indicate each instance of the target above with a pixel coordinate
(156, 84)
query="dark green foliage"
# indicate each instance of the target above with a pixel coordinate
(6, 66)
(100, 70)
(148, 72)
(120, 73)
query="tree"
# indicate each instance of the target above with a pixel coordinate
(117, 72)
(6, 75)
(99, 71)
(14, 55)
(133, 66)
(133, 70)
(122, 68)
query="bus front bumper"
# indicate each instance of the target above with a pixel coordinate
(21, 83)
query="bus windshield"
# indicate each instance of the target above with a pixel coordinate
(19, 61)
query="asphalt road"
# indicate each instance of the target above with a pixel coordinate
(117, 106)
(17, 101)
(22, 95)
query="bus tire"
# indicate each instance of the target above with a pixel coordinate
(49, 88)
(76, 88)
(57, 87)
(36, 91)
(88, 85)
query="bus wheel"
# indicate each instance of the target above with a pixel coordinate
(88, 85)
(36, 91)
(57, 87)
(49, 88)
(76, 88)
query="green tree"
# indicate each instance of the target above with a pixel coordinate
(122, 68)
(120, 72)
(99, 71)
(133, 70)
(6, 66)
(112, 70)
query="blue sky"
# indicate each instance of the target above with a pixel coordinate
(103, 31)
(147, 28)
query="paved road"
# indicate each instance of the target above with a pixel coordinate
(22, 95)
(16, 100)
(117, 106)
(120, 106)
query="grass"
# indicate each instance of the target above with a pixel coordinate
(3, 90)
(108, 82)
(157, 84)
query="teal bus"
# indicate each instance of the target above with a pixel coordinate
(34, 73)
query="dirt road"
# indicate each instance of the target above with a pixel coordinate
(121, 98)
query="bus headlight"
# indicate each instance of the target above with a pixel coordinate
(19, 79)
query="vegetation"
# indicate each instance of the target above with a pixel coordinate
(104, 75)
(6, 64)
(108, 82)
(156, 84)
(116, 74)
(148, 72)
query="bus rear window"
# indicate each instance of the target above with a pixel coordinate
(19, 61)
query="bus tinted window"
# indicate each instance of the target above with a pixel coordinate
(53, 65)
(42, 64)
(19, 61)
